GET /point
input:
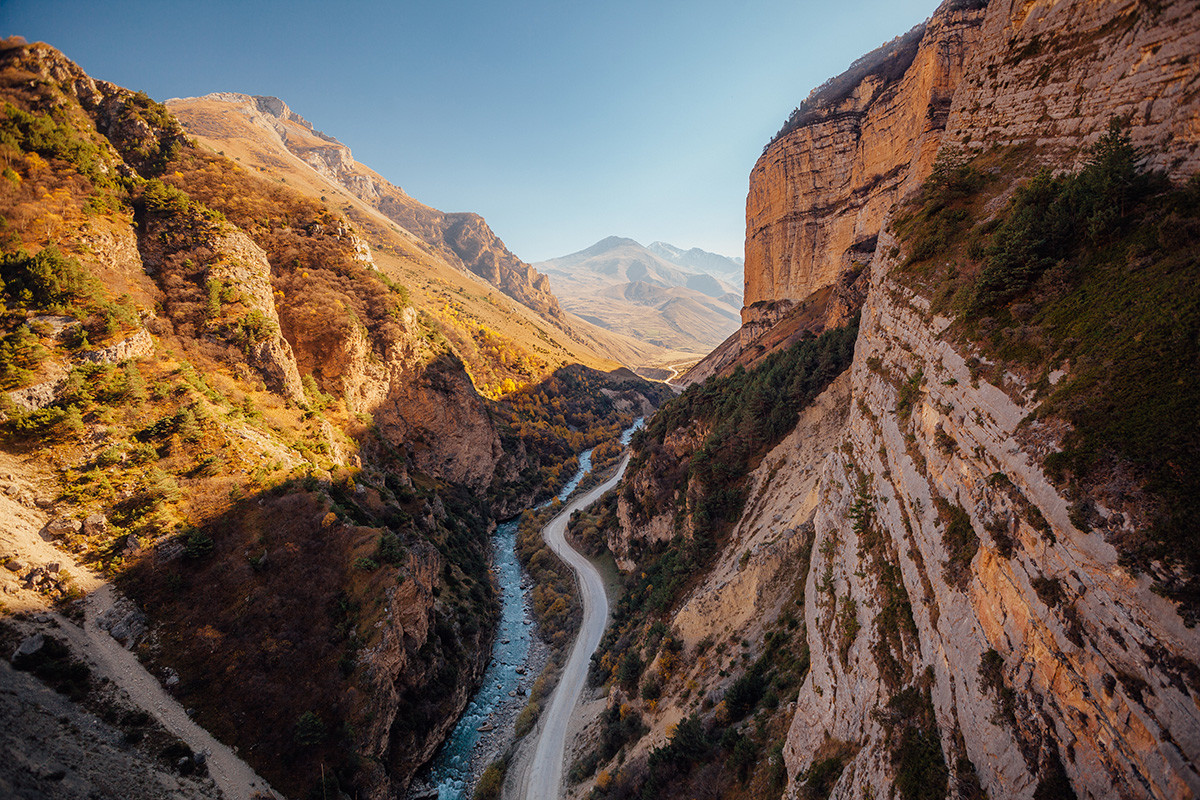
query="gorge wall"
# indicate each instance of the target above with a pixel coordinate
(822, 189)
(972, 621)
(977, 75)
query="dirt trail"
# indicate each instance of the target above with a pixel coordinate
(541, 777)
(233, 776)
(21, 539)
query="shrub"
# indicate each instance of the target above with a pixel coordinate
(390, 550)
(527, 718)
(197, 544)
(21, 353)
(310, 729)
(960, 540)
(45, 280)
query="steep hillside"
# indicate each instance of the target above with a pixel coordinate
(463, 240)
(968, 567)
(222, 399)
(626, 288)
(453, 264)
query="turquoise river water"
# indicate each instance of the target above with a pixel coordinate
(457, 762)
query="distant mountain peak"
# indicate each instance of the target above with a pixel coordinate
(697, 260)
(609, 242)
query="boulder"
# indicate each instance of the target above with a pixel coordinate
(63, 526)
(95, 525)
(29, 646)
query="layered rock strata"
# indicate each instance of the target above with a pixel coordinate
(1036, 648)
(820, 193)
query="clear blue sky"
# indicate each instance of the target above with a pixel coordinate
(560, 122)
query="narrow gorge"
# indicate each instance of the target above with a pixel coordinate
(966, 566)
(284, 450)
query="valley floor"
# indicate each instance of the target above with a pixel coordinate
(539, 766)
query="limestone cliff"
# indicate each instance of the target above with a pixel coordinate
(1049, 74)
(821, 190)
(1089, 668)
(971, 619)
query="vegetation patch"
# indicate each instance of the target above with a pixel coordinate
(960, 540)
(1092, 272)
(912, 735)
(991, 681)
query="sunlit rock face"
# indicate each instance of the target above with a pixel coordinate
(855, 148)
(1037, 652)
(950, 600)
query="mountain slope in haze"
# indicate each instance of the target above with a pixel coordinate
(450, 262)
(694, 259)
(622, 286)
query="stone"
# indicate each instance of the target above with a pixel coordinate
(14, 566)
(124, 622)
(29, 645)
(62, 526)
(95, 525)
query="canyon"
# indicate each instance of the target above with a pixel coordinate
(280, 429)
(921, 526)
(906, 594)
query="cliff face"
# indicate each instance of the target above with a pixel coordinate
(819, 194)
(1047, 74)
(1036, 649)
(973, 618)
(1052, 73)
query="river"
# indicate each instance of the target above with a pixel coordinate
(467, 750)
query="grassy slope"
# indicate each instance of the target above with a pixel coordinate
(404, 255)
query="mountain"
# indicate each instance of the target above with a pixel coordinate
(697, 260)
(623, 287)
(924, 527)
(433, 248)
(462, 239)
(254, 442)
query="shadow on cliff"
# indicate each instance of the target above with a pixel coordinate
(322, 621)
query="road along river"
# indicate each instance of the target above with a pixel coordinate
(546, 769)
(485, 727)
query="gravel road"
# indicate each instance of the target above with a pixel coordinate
(545, 774)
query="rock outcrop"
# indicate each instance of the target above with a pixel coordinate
(820, 192)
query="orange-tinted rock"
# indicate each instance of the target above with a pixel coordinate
(829, 184)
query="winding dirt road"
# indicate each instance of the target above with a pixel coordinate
(546, 770)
